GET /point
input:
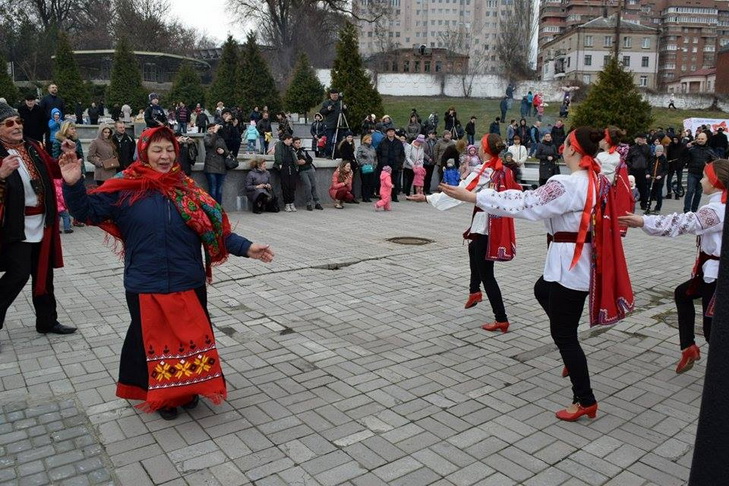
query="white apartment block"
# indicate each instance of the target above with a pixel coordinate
(464, 26)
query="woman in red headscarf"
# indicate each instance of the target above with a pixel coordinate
(612, 163)
(585, 255)
(162, 219)
(492, 238)
(708, 225)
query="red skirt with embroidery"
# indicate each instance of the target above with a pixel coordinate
(169, 353)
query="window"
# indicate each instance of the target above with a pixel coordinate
(438, 66)
(587, 78)
(406, 66)
(646, 43)
(426, 65)
(627, 42)
(588, 41)
(607, 41)
(645, 61)
(417, 67)
(605, 60)
(588, 60)
(626, 61)
(643, 82)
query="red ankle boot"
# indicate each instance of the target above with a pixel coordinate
(473, 299)
(688, 356)
(565, 372)
(590, 411)
(496, 326)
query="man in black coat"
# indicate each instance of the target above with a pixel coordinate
(637, 161)
(50, 101)
(697, 156)
(330, 110)
(391, 152)
(125, 145)
(34, 119)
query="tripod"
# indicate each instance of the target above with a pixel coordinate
(341, 123)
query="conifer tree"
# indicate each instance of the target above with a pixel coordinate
(226, 75)
(351, 79)
(8, 90)
(256, 84)
(187, 87)
(614, 100)
(305, 90)
(126, 79)
(67, 77)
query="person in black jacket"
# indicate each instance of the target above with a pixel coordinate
(93, 114)
(637, 161)
(676, 157)
(188, 153)
(697, 156)
(657, 171)
(154, 115)
(34, 120)
(50, 101)
(548, 154)
(391, 152)
(125, 145)
(264, 127)
(330, 110)
(230, 133)
(318, 130)
(471, 130)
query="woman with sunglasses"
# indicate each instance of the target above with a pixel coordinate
(30, 245)
(585, 255)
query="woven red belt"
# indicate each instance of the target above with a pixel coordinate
(566, 237)
(34, 210)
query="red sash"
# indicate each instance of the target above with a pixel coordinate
(182, 359)
(611, 294)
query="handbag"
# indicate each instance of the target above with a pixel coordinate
(112, 163)
(231, 162)
(368, 169)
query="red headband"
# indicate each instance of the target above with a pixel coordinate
(586, 162)
(711, 174)
(494, 162)
(613, 146)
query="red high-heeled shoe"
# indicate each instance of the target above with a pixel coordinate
(565, 372)
(688, 356)
(473, 299)
(496, 326)
(590, 411)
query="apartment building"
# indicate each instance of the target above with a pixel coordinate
(691, 31)
(467, 27)
(581, 53)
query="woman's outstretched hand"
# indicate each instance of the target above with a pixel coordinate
(261, 252)
(456, 192)
(631, 220)
(416, 198)
(70, 167)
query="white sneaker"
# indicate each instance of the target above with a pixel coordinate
(287, 208)
(293, 208)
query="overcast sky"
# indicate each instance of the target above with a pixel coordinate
(209, 16)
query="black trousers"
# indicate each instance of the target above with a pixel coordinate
(429, 169)
(482, 271)
(20, 261)
(368, 185)
(288, 186)
(396, 183)
(133, 360)
(641, 184)
(407, 180)
(564, 309)
(687, 313)
(656, 190)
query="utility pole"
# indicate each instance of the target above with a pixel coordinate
(617, 29)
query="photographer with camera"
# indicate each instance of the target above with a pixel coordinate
(331, 109)
(154, 115)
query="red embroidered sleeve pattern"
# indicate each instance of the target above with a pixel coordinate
(707, 218)
(549, 192)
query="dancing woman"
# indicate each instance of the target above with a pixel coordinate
(585, 256)
(707, 224)
(491, 238)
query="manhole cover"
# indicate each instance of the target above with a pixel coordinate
(409, 240)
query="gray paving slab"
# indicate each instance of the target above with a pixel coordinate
(350, 360)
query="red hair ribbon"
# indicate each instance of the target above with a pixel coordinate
(493, 163)
(588, 163)
(612, 145)
(711, 174)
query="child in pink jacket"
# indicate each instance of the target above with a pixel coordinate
(385, 189)
(419, 177)
(61, 203)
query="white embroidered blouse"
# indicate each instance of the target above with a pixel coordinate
(707, 222)
(441, 201)
(559, 203)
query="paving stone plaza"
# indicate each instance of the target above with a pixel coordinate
(350, 360)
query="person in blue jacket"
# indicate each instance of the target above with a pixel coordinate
(161, 217)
